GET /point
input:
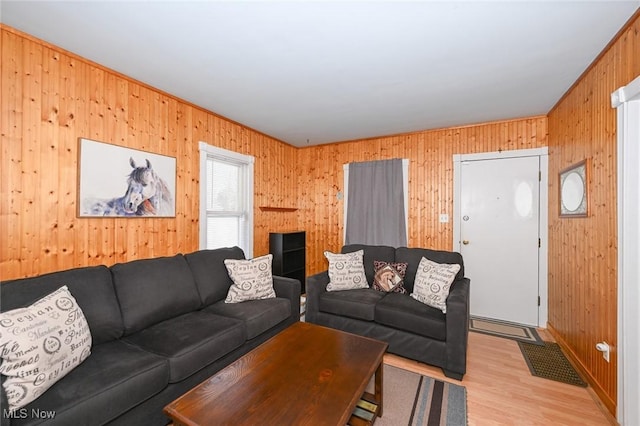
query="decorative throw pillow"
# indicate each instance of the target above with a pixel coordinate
(40, 344)
(389, 277)
(252, 279)
(432, 283)
(346, 271)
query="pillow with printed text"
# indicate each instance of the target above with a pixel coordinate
(433, 282)
(346, 271)
(41, 344)
(252, 279)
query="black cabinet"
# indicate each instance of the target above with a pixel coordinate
(288, 250)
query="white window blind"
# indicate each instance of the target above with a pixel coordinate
(226, 199)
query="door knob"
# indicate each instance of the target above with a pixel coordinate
(465, 242)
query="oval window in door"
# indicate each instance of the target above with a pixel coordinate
(524, 199)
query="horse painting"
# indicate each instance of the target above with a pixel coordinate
(147, 194)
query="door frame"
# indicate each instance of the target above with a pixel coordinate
(626, 100)
(543, 262)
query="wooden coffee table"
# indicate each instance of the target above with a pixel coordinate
(307, 374)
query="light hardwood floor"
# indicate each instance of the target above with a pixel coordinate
(502, 391)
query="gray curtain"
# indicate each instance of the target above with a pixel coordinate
(375, 204)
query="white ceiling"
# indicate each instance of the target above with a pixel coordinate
(339, 70)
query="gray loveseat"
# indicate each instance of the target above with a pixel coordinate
(159, 327)
(411, 328)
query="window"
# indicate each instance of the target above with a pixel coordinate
(226, 199)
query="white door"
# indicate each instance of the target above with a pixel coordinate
(627, 101)
(499, 233)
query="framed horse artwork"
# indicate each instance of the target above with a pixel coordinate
(124, 182)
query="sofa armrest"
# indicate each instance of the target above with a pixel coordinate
(316, 285)
(289, 288)
(458, 326)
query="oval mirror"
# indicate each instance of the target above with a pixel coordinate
(572, 191)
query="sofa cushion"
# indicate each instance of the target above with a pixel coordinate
(346, 271)
(153, 290)
(389, 277)
(210, 273)
(413, 256)
(41, 343)
(432, 283)
(191, 341)
(252, 279)
(92, 288)
(115, 378)
(257, 315)
(405, 313)
(358, 304)
(371, 253)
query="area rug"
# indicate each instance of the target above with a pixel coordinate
(549, 362)
(507, 330)
(413, 399)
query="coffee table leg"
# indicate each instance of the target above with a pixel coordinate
(378, 388)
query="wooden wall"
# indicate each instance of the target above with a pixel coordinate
(49, 99)
(583, 252)
(430, 155)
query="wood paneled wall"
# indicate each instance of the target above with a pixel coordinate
(583, 252)
(50, 98)
(430, 155)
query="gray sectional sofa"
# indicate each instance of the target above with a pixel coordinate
(411, 328)
(158, 326)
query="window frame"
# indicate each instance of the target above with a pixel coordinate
(247, 162)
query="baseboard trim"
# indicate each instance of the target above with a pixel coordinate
(599, 394)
